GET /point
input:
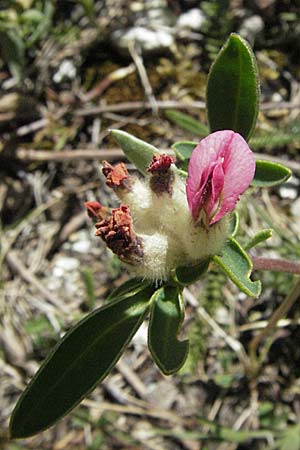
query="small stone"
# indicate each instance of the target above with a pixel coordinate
(149, 40)
(251, 27)
(193, 19)
(65, 70)
(82, 246)
(289, 190)
(65, 264)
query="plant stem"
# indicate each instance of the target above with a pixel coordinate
(276, 265)
(278, 314)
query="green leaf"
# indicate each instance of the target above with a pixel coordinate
(269, 174)
(233, 88)
(259, 237)
(88, 280)
(127, 289)
(32, 16)
(238, 266)
(183, 151)
(186, 275)
(13, 51)
(83, 358)
(289, 439)
(234, 223)
(167, 314)
(187, 122)
(140, 153)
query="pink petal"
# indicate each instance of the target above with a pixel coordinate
(217, 183)
(228, 178)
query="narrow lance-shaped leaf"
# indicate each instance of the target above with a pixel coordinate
(233, 88)
(127, 289)
(187, 122)
(140, 153)
(83, 358)
(268, 173)
(167, 315)
(238, 266)
(13, 49)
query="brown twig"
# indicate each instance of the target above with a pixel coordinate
(138, 105)
(275, 265)
(132, 106)
(101, 86)
(133, 379)
(68, 155)
(267, 106)
(111, 154)
(138, 61)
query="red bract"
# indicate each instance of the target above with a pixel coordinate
(115, 175)
(118, 233)
(221, 168)
(160, 163)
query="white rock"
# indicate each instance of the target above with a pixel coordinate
(149, 40)
(193, 19)
(288, 192)
(65, 70)
(251, 27)
(276, 97)
(82, 246)
(65, 264)
(289, 189)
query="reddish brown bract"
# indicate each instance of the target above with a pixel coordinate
(117, 231)
(96, 210)
(115, 175)
(160, 163)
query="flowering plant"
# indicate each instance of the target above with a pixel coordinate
(167, 221)
(170, 227)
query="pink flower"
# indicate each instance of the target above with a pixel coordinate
(221, 168)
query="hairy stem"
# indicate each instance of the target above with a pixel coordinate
(276, 265)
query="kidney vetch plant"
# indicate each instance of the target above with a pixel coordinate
(175, 220)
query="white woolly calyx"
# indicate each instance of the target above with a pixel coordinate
(153, 231)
